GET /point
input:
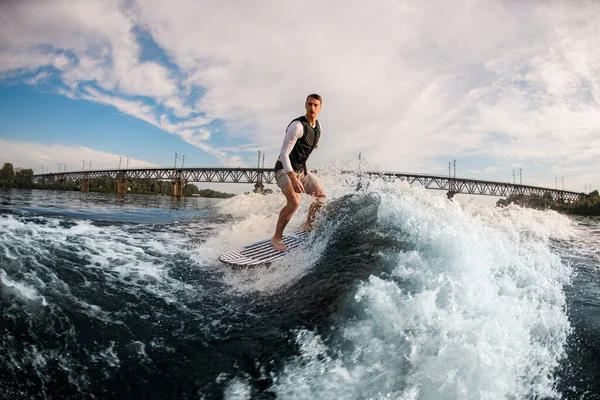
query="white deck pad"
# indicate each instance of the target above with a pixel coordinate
(263, 253)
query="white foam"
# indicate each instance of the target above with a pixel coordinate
(279, 275)
(476, 309)
(586, 243)
(256, 216)
(21, 289)
(120, 255)
(237, 389)
(108, 356)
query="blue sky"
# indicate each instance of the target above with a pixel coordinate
(41, 116)
(410, 85)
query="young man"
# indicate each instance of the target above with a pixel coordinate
(301, 138)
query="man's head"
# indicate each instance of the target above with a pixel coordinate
(313, 105)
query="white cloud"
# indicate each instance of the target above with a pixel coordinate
(485, 171)
(36, 156)
(196, 136)
(406, 84)
(413, 78)
(17, 60)
(136, 108)
(40, 77)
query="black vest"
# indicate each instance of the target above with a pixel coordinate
(304, 146)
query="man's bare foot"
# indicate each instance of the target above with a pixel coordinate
(278, 245)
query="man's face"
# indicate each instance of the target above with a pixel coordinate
(313, 106)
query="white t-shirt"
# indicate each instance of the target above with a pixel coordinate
(294, 132)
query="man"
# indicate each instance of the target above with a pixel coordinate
(301, 138)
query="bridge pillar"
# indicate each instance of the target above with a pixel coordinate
(450, 194)
(177, 188)
(85, 185)
(258, 187)
(122, 186)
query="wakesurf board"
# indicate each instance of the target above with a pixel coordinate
(263, 253)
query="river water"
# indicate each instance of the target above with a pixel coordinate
(400, 294)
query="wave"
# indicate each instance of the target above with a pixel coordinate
(400, 293)
(408, 295)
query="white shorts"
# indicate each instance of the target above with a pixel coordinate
(309, 181)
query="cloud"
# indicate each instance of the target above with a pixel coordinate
(486, 171)
(139, 109)
(409, 85)
(40, 77)
(17, 60)
(419, 80)
(36, 156)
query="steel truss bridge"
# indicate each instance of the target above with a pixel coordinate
(259, 176)
(225, 175)
(472, 186)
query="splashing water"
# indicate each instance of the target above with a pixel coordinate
(400, 294)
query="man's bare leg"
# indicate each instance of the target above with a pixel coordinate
(314, 208)
(285, 215)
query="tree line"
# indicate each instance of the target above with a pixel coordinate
(588, 205)
(23, 178)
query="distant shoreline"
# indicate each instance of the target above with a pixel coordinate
(587, 206)
(201, 193)
(22, 178)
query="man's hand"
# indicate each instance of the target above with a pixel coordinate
(296, 184)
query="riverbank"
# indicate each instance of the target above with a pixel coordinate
(188, 190)
(587, 206)
(22, 178)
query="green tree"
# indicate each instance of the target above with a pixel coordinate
(7, 173)
(587, 205)
(24, 178)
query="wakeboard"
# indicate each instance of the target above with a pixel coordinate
(263, 253)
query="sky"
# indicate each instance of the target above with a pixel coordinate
(498, 86)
